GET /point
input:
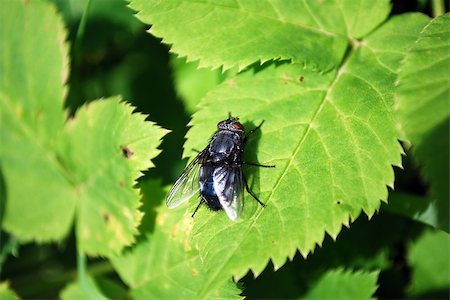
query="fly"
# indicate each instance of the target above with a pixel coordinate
(216, 172)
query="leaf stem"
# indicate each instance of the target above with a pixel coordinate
(80, 32)
(10, 247)
(437, 7)
(87, 285)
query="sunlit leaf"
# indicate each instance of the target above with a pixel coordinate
(6, 293)
(332, 138)
(33, 67)
(54, 170)
(237, 33)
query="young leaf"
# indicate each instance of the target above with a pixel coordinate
(340, 284)
(332, 139)
(6, 293)
(53, 170)
(232, 33)
(165, 265)
(423, 107)
(430, 261)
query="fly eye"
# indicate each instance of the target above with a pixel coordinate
(238, 126)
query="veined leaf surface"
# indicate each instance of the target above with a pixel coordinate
(332, 138)
(165, 266)
(242, 32)
(54, 170)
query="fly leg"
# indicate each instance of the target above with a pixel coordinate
(251, 193)
(258, 165)
(198, 206)
(252, 131)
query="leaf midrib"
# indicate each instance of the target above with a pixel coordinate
(28, 133)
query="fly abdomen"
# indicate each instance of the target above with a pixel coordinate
(207, 191)
(209, 187)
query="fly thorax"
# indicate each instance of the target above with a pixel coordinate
(223, 145)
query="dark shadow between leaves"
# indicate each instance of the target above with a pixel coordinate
(365, 246)
(433, 156)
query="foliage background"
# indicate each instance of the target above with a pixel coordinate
(397, 253)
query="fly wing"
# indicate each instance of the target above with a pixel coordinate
(186, 185)
(229, 188)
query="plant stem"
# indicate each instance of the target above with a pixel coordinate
(10, 247)
(437, 7)
(86, 283)
(80, 32)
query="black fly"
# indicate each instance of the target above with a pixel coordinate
(216, 172)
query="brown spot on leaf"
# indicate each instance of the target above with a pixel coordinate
(126, 152)
(338, 202)
(121, 183)
(300, 78)
(106, 217)
(194, 272)
(174, 231)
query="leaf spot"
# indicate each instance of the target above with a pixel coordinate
(121, 183)
(300, 78)
(173, 234)
(126, 152)
(194, 272)
(338, 202)
(106, 217)
(160, 218)
(286, 78)
(231, 83)
(86, 233)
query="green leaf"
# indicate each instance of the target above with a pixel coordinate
(430, 261)
(333, 141)
(33, 64)
(231, 33)
(74, 291)
(423, 108)
(192, 83)
(415, 207)
(54, 171)
(165, 265)
(6, 293)
(340, 284)
(105, 161)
